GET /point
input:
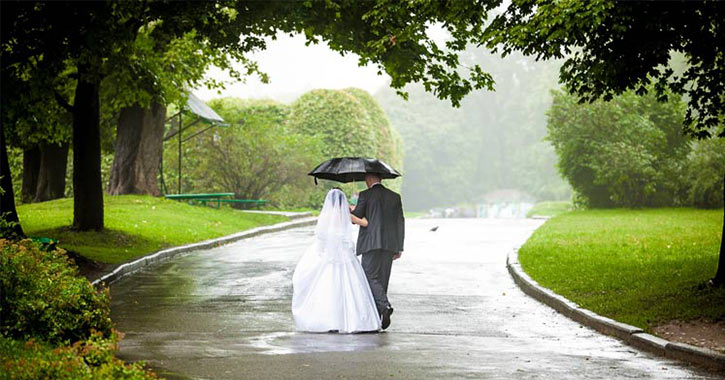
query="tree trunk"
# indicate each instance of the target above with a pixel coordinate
(720, 275)
(7, 198)
(87, 188)
(139, 146)
(31, 169)
(51, 179)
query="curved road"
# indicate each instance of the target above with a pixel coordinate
(224, 314)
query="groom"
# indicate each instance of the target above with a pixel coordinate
(381, 241)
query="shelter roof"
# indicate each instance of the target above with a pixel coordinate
(199, 108)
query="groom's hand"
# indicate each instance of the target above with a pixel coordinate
(352, 208)
(397, 255)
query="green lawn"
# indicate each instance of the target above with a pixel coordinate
(414, 214)
(314, 211)
(641, 267)
(550, 208)
(136, 225)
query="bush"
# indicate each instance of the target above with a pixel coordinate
(270, 147)
(350, 123)
(90, 359)
(339, 119)
(705, 169)
(626, 152)
(257, 156)
(389, 144)
(262, 156)
(43, 298)
(45, 306)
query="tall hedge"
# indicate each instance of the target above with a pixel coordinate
(350, 123)
(389, 144)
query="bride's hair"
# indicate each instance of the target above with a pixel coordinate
(336, 196)
(335, 213)
(334, 227)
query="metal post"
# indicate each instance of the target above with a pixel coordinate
(164, 190)
(179, 153)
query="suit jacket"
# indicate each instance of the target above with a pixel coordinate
(386, 224)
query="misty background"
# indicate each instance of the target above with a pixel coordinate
(490, 150)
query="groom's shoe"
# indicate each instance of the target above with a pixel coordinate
(386, 317)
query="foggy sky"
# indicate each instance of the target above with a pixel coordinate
(295, 69)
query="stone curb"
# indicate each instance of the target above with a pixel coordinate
(292, 215)
(153, 258)
(629, 334)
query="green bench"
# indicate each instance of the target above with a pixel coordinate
(202, 198)
(46, 244)
(219, 198)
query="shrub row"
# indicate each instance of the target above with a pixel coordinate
(631, 152)
(55, 324)
(89, 359)
(43, 297)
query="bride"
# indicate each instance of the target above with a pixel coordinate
(330, 291)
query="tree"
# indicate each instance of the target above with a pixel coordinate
(161, 70)
(339, 119)
(610, 47)
(51, 173)
(36, 124)
(39, 39)
(31, 170)
(627, 152)
(387, 139)
(257, 157)
(9, 222)
(706, 163)
(350, 123)
(139, 145)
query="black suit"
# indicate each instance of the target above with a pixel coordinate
(381, 239)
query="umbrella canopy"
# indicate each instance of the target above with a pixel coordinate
(348, 169)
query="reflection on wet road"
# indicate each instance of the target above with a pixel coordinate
(224, 313)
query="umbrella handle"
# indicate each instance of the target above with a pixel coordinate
(315, 181)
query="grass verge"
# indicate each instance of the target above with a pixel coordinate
(136, 225)
(641, 267)
(550, 208)
(414, 214)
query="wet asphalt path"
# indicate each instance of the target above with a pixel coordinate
(224, 314)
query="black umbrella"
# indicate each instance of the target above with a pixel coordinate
(349, 169)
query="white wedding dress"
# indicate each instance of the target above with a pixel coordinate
(330, 291)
